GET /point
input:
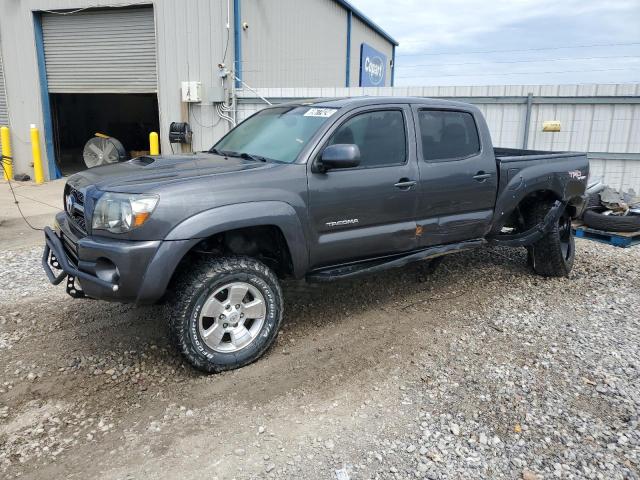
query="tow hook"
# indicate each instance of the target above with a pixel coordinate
(535, 233)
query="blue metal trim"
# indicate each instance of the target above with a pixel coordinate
(393, 64)
(348, 73)
(54, 172)
(360, 66)
(237, 42)
(368, 21)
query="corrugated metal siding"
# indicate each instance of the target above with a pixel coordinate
(4, 109)
(103, 51)
(293, 43)
(191, 42)
(363, 33)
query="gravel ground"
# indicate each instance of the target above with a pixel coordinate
(481, 370)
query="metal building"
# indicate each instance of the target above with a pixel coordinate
(76, 67)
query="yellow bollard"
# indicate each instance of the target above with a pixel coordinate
(38, 173)
(154, 144)
(6, 152)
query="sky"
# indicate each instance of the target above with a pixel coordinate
(471, 42)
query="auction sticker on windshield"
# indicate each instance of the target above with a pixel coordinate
(320, 112)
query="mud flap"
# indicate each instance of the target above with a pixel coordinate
(534, 234)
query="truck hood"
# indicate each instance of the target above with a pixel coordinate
(143, 174)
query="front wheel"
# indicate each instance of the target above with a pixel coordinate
(226, 312)
(553, 254)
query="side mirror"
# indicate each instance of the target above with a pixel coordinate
(340, 155)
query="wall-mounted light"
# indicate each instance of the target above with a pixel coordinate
(551, 126)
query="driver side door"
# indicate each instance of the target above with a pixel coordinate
(368, 210)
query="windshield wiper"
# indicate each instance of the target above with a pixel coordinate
(251, 156)
(246, 156)
(224, 153)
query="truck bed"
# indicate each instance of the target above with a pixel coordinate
(521, 172)
(516, 154)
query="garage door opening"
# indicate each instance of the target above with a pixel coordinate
(77, 117)
(102, 77)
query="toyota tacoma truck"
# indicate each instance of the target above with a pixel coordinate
(318, 191)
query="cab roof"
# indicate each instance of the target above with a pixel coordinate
(352, 102)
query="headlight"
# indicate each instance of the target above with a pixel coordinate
(121, 212)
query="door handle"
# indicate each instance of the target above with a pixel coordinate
(481, 176)
(405, 184)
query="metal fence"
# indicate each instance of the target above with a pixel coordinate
(603, 120)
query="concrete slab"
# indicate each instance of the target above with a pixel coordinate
(39, 204)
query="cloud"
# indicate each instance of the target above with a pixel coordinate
(435, 24)
(437, 39)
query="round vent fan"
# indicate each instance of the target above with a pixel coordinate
(102, 150)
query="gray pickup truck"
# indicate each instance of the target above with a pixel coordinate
(319, 190)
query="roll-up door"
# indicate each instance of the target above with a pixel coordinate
(101, 51)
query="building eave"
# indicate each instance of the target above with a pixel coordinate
(367, 21)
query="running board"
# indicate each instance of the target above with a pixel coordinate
(373, 266)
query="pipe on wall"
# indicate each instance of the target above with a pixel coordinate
(348, 69)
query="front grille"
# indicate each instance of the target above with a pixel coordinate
(80, 222)
(79, 195)
(74, 206)
(70, 247)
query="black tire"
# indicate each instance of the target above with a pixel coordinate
(196, 284)
(553, 254)
(593, 201)
(612, 223)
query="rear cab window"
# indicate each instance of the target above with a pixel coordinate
(447, 135)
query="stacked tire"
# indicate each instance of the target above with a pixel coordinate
(595, 218)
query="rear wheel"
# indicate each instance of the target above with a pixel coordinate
(553, 254)
(226, 313)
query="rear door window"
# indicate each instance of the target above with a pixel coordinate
(447, 135)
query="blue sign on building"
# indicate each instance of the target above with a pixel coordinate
(373, 67)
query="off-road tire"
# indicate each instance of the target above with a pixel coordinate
(553, 254)
(191, 288)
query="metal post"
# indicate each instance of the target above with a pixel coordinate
(38, 172)
(154, 144)
(7, 161)
(527, 121)
(393, 65)
(348, 68)
(237, 43)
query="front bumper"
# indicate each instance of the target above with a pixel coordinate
(107, 269)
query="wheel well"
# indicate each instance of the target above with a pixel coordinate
(265, 243)
(516, 217)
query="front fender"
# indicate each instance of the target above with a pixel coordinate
(184, 236)
(250, 214)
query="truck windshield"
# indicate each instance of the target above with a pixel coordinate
(276, 134)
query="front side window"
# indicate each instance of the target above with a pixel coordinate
(277, 134)
(380, 136)
(447, 135)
